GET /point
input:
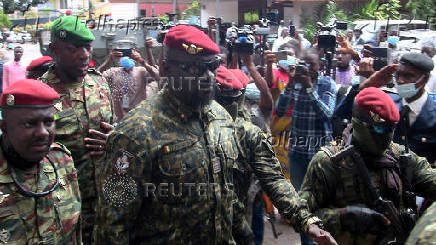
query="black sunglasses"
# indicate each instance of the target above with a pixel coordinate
(198, 68)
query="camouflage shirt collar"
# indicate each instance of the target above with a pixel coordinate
(50, 77)
(185, 111)
(5, 177)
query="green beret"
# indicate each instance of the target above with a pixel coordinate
(70, 29)
(419, 61)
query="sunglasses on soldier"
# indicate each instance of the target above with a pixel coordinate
(198, 68)
(377, 128)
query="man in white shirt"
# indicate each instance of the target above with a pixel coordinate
(283, 38)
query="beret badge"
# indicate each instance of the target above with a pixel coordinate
(376, 117)
(62, 34)
(192, 49)
(10, 100)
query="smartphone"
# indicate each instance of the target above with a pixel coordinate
(292, 31)
(126, 52)
(383, 57)
(281, 55)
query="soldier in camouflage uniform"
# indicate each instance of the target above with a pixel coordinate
(168, 172)
(39, 192)
(348, 203)
(256, 155)
(424, 232)
(84, 113)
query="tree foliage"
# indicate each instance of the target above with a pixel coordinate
(4, 20)
(9, 6)
(193, 10)
(375, 9)
(421, 9)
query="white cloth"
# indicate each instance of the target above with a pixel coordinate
(279, 42)
(416, 107)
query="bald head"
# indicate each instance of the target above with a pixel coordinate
(428, 49)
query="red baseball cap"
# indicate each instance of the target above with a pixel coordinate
(227, 79)
(374, 101)
(28, 93)
(37, 62)
(242, 77)
(190, 39)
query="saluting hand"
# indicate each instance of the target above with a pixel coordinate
(96, 144)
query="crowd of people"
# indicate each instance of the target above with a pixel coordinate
(193, 147)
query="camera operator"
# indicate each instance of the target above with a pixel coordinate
(129, 84)
(313, 99)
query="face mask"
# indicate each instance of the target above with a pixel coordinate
(368, 141)
(127, 63)
(408, 90)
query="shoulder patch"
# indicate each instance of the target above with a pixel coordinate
(94, 71)
(57, 146)
(123, 162)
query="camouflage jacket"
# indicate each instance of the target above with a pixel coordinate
(58, 213)
(257, 155)
(167, 177)
(424, 232)
(329, 186)
(82, 107)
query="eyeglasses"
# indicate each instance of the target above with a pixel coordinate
(198, 68)
(377, 128)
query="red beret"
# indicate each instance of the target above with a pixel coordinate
(190, 39)
(28, 93)
(37, 62)
(225, 78)
(378, 102)
(242, 77)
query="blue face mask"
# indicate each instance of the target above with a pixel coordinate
(127, 63)
(408, 90)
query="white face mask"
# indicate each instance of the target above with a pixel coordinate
(408, 90)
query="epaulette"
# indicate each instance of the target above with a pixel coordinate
(331, 149)
(94, 71)
(57, 146)
(397, 149)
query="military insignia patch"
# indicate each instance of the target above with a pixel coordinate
(5, 235)
(62, 34)
(10, 100)
(216, 165)
(3, 196)
(192, 49)
(123, 161)
(120, 190)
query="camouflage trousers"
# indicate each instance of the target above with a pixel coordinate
(87, 185)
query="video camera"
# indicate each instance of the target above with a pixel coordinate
(300, 68)
(244, 44)
(165, 28)
(327, 35)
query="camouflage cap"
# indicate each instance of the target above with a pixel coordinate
(70, 29)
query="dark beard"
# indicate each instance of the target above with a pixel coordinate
(13, 157)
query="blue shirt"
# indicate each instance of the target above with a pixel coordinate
(311, 116)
